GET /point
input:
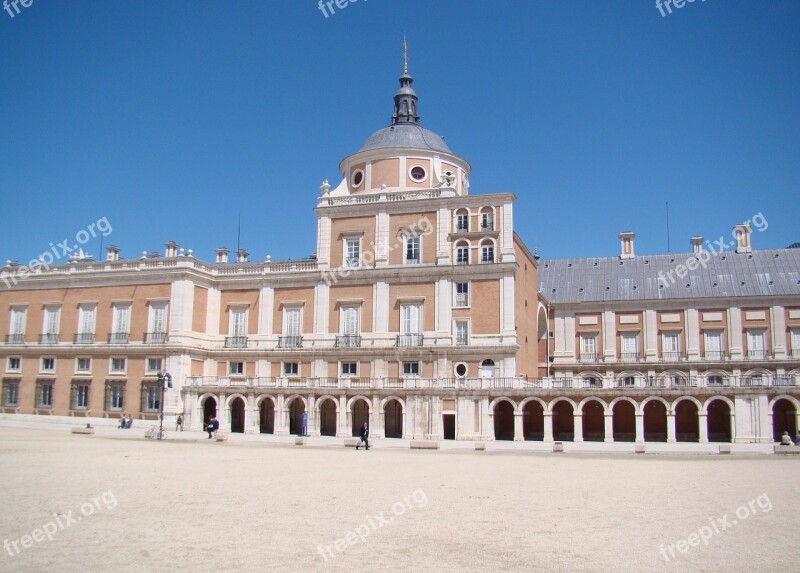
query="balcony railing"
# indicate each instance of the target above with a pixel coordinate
(487, 225)
(462, 226)
(487, 260)
(289, 342)
(119, 338)
(49, 338)
(348, 341)
(753, 381)
(562, 383)
(629, 356)
(15, 339)
(462, 340)
(588, 357)
(235, 342)
(84, 338)
(405, 340)
(714, 355)
(671, 356)
(411, 261)
(783, 381)
(757, 354)
(462, 260)
(627, 382)
(718, 381)
(155, 337)
(462, 300)
(681, 382)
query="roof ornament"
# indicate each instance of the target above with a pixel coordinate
(405, 100)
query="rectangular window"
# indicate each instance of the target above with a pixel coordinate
(588, 347)
(151, 401)
(14, 364)
(410, 368)
(121, 318)
(462, 295)
(11, 394)
(671, 345)
(238, 322)
(756, 344)
(115, 400)
(409, 318)
(44, 395)
(462, 222)
(52, 317)
(154, 365)
(462, 254)
(86, 315)
(236, 368)
(487, 221)
(462, 332)
(352, 253)
(83, 364)
(349, 368)
(117, 365)
(157, 320)
(17, 326)
(629, 346)
(291, 321)
(412, 250)
(487, 253)
(348, 320)
(48, 364)
(796, 343)
(712, 342)
(291, 369)
(80, 396)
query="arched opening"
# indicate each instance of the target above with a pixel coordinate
(719, 421)
(624, 422)
(687, 424)
(563, 422)
(487, 368)
(594, 422)
(393, 419)
(655, 421)
(237, 416)
(503, 420)
(209, 409)
(784, 419)
(296, 410)
(266, 417)
(327, 418)
(360, 414)
(533, 421)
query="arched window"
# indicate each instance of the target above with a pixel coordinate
(462, 221)
(487, 251)
(462, 253)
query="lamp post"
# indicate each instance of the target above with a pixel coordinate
(164, 382)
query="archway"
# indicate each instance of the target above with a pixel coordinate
(784, 419)
(393, 419)
(266, 417)
(563, 422)
(296, 410)
(719, 421)
(360, 414)
(503, 420)
(624, 422)
(209, 409)
(655, 421)
(237, 416)
(327, 418)
(533, 421)
(687, 423)
(594, 423)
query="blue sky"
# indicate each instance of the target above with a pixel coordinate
(173, 119)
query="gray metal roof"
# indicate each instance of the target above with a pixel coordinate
(405, 135)
(729, 274)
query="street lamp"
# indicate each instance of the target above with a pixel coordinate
(164, 382)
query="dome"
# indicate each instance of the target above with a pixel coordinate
(405, 135)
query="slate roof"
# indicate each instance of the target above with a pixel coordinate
(729, 274)
(405, 135)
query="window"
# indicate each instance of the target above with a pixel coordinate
(157, 323)
(349, 368)
(236, 368)
(628, 343)
(117, 365)
(671, 346)
(462, 332)
(352, 253)
(462, 295)
(756, 344)
(80, 396)
(291, 321)
(11, 394)
(154, 365)
(410, 368)
(629, 381)
(411, 250)
(715, 380)
(462, 254)
(83, 364)
(358, 177)
(291, 369)
(151, 398)
(86, 319)
(52, 316)
(487, 221)
(461, 370)
(238, 322)
(410, 334)
(796, 343)
(14, 364)
(417, 173)
(588, 347)
(713, 345)
(462, 221)
(115, 397)
(48, 364)
(44, 395)
(121, 324)
(487, 252)
(17, 326)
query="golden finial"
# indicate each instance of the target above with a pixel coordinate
(405, 56)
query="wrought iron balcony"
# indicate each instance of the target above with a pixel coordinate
(757, 354)
(15, 339)
(671, 356)
(405, 340)
(119, 338)
(714, 355)
(462, 340)
(49, 338)
(155, 337)
(348, 341)
(290, 342)
(630, 356)
(462, 226)
(487, 225)
(235, 342)
(588, 357)
(84, 338)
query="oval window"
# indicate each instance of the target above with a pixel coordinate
(417, 173)
(461, 370)
(358, 178)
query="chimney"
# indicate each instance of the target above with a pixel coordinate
(742, 234)
(171, 249)
(626, 245)
(697, 245)
(222, 255)
(112, 253)
(241, 256)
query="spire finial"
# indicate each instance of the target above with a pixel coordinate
(405, 55)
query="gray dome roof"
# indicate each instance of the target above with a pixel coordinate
(405, 135)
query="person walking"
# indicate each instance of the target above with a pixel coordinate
(179, 423)
(364, 433)
(212, 427)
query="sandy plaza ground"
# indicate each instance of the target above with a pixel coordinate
(122, 503)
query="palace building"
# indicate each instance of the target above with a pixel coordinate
(422, 313)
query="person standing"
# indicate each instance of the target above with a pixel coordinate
(179, 423)
(364, 433)
(213, 426)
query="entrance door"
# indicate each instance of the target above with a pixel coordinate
(449, 423)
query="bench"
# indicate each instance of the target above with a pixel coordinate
(787, 449)
(424, 445)
(85, 431)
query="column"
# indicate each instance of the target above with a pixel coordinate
(341, 421)
(650, 336)
(519, 431)
(703, 423)
(735, 333)
(671, 428)
(609, 336)
(312, 427)
(777, 317)
(222, 412)
(640, 428)
(548, 426)
(578, 426)
(281, 419)
(265, 310)
(692, 334)
(377, 424)
(609, 427)
(251, 419)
